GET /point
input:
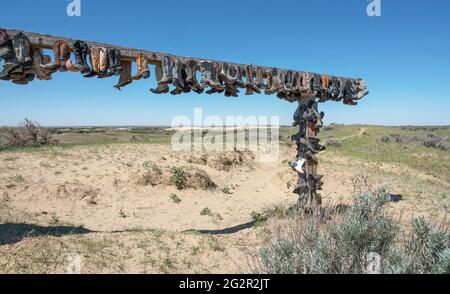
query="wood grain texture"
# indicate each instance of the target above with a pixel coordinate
(46, 41)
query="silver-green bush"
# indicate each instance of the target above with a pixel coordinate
(326, 243)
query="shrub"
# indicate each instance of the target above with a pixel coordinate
(333, 142)
(30, 135)
(321, 243)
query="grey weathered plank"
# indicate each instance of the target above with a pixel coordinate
(46, 42)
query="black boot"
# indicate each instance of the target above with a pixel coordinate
(118, 62)
(80, 51)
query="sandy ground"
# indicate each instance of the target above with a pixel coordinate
(96, 187)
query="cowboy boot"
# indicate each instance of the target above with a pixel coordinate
(4, 38)
(250, 76)
(7, 54)
(20, 57)
(343, 84)
(167, 67)
(225, 75)
(334, 88)
(191, 79)
(162, 88)
(208, 74)
(84, 56)
(104, 62)
(142, 67)
(95, 62)
(177, 80)
(239, 74)
(40, 59)
(306, 87)
(59, 58)
(111, 69)
(275, 84)
(324, 93)
(269, 83)
(81, 51)
(77, 52)
(317, 83)
(259, 78)
(125, 76)
(357, 89)
(22, 49)
(218, 86)
(118, 67)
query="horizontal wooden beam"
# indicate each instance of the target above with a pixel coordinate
(46, 41)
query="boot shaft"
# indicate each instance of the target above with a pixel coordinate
(22, 48)
(103, 59)
(4, 38)
(95, 59)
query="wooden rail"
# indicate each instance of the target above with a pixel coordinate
(46, 41)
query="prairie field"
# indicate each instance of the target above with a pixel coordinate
(124, 201)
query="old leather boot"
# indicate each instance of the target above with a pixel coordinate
(225, 74)
(343, 85)
(19, 57)
(104, 62)
(210, 77)
(111, 53)
(125, 75)
(4, 38)
(334, 88)
(191, 79)
(317, 83)
(7, 54)
(61, 51)
(177, 80)
(142, 67)
(64, 55)
(250, 73)
(357, 89)
(39, 59)
(306, 88)
(259, 78)
(275, 84)
(95, 62)
(118, 67)
(167, 67)
(162, 72)
(81, 51)
(78, 53)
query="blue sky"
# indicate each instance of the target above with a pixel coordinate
(404, 56)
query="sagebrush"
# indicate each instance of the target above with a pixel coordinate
(321, 242)
(30, 135)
